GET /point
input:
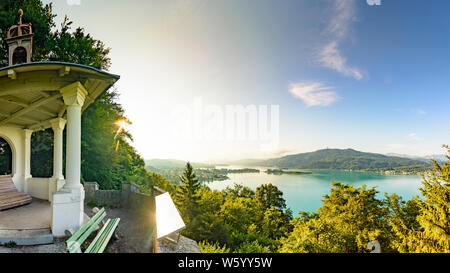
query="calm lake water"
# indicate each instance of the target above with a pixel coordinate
(305, 192)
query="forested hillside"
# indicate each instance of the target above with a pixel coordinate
(347, 159)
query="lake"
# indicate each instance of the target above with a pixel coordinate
(305, 192)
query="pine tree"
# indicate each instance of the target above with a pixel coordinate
(187, 200)
(434, 217)
(188, 190)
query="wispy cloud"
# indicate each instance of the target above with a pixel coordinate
(281, 152)
(331, 57)
(414, 136)
(421, 112)
(330, 54)
(313, 93)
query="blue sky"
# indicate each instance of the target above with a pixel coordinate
(344, 74)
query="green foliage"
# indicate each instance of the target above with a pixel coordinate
(403, 219)
(5, 157)
(314, 235)
(78, 47)
(234, 217)
(426, 226)
(10, 244)
(101, 161)
(357, 214)
(207, 247)
(187, 198)
(253, 247)
(42, 153)
(349, 219)
(270, 196)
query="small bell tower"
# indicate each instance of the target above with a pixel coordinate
(20, 42)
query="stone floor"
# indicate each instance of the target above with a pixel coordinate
(26, 225)
(32, 216)
(58, 247)
(134, 234)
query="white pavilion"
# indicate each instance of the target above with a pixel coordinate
(40, 95)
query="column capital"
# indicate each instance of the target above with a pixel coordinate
(74, 94)
(27, 133)
(58, 124)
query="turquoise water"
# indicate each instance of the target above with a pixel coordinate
(305, 192)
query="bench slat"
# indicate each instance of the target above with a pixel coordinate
(85, 230)
(88, 232)
(100, 242)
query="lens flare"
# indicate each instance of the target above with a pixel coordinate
(122, 124)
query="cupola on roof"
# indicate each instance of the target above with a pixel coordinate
(20, 42)
(20, 29)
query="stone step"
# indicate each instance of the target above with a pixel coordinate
(27, 237)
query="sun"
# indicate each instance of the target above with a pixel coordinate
(122, 123)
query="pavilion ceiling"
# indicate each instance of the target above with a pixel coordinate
(29, 93)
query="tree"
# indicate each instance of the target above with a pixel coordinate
(349, 219)
(187, 200)
(78, 47)
(314, 235)
(187, 191)
(402, 217)
(207, 247)
(239, 191)
(269, 196)
(358, 214)
(434, 216)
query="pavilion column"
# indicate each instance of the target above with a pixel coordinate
(68, 203)
(74, 96)
(57, 182)
(26, 159)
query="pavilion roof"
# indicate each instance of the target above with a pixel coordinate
(29, 92)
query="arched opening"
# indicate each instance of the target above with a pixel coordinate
(20, 55)
(5, 157)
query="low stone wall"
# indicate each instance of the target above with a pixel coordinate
(140, 211)
(129, 197)
(141, 217)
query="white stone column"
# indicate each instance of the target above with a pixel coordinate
(26, 171)
(68, 203)
(58, 125)
(57, 180)
(74, 96)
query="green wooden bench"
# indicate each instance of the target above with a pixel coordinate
(100, 241)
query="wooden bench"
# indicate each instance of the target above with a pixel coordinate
(102, 238)
(10, 197)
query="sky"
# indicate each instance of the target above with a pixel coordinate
(312, 74)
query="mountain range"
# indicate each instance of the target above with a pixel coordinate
(338, 159)
(173, 164)
(345, 159)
